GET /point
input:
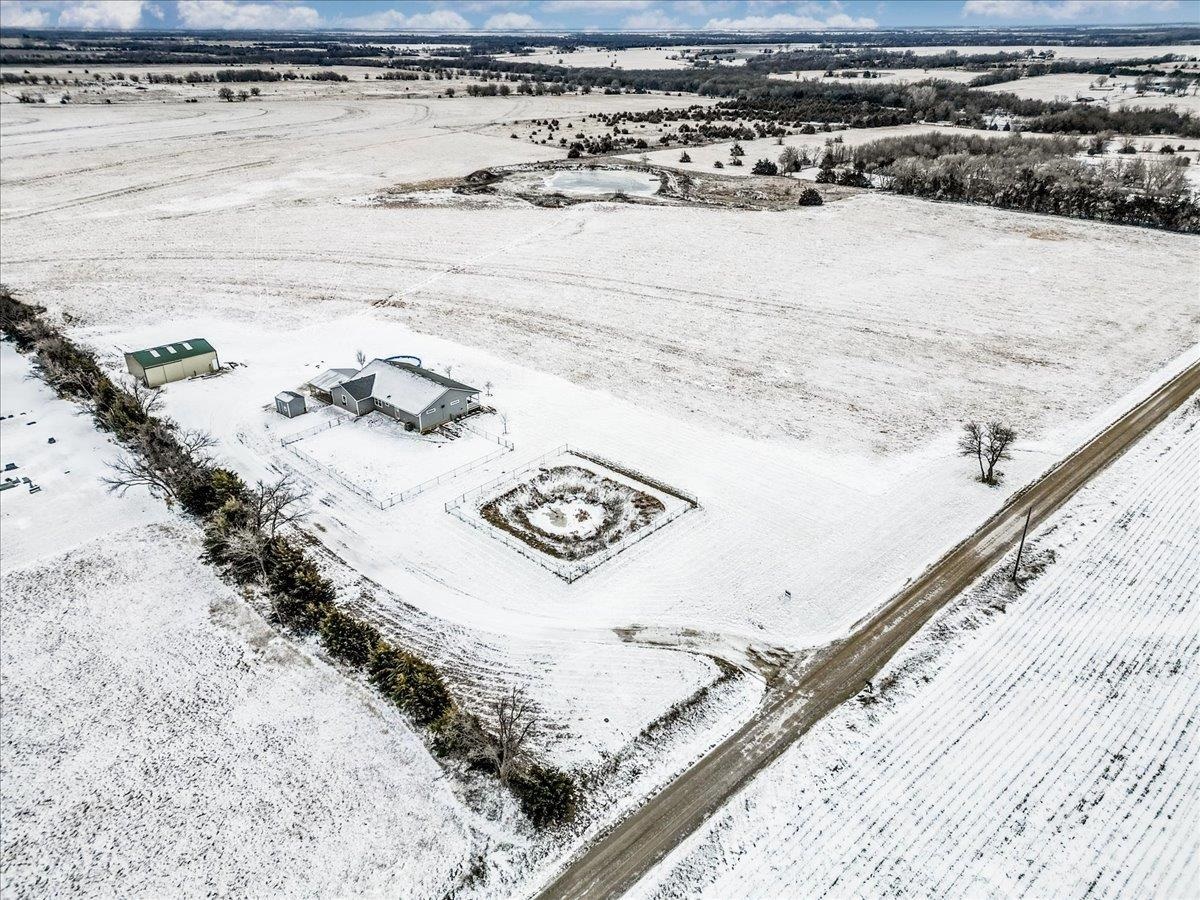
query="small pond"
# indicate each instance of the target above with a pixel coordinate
(591, 182)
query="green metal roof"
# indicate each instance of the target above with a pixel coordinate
(152, 357)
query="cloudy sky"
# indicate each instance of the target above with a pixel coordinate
(643, 15)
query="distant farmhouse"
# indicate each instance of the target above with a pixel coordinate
(172, 362)
(421, 399)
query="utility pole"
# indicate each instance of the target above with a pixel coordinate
(1021, 548)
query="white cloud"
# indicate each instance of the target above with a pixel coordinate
(1063, 9)
(227, 14)
(113, 14)
(395, 20)
(511, 21)
(19, 15)
(789, 22)
(595, 5)
(653, 20)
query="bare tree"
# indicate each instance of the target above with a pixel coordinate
(989, 444)
(504, 422)
(272, 507)
(161, 459)
(487, 387)
(516, 724)
(361, 357)
(789, 160)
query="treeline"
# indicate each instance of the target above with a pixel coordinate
(247, 536)
(1034, 175)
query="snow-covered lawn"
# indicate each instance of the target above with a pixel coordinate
(377, 455)
(1041, 744)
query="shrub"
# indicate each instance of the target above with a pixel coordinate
(208, 490)
(810, 197)
(684, 158)
(350, 640)
(765, 167)
(411, 683)
(302, 595)
(547, 795)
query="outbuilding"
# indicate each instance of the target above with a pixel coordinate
(172, 362)
(323, 385)
(290, 404)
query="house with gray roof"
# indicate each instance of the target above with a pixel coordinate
(421, 399)
(155, 366)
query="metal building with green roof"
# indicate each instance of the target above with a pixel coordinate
(172, 362)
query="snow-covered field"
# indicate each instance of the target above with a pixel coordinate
(1187, 51)
(632, 58)
(159, 739)
(1038, 744)
(802, 373)
(769, 148)
(888, 76)
(1115, 92)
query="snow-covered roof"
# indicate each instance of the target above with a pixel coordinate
(287, 396)
(406, 387)
(331, 378)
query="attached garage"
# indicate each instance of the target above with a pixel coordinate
(155, 366)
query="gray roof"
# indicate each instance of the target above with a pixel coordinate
(359, 388)
(406, 387)
(331, 378)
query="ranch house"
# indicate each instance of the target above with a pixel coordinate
(421, 399)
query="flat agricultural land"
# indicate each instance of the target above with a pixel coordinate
(1115, 92)
(1187, 51)
(1033, 743)
(885, 76)
(803, 373)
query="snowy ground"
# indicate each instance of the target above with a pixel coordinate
(1037, 744)
(633, 58)
(158, 737)
(1187, 51)
(1115, 92)
(885, 76)
(770, 148)
(380, 457)
(803, 373)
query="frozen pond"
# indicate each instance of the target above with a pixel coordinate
(603, 181)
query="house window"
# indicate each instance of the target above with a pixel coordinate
(154, 353)
(187, 346)
(170, 349)
(454, 403)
